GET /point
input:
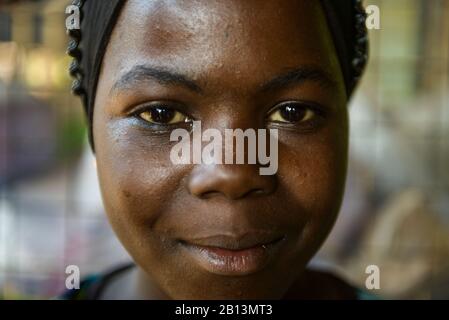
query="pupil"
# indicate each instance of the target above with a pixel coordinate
(162, 115)
(292, 113)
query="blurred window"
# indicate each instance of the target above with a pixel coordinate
(5, 26)
(38, 23)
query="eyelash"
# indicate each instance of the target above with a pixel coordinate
(319, 113)
(137, 114)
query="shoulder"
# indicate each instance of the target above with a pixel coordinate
(86, 291)
(92, 286)
(312, 285)
(325, 285)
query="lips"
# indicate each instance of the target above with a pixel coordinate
(233, 255)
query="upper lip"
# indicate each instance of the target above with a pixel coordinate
(234, 242)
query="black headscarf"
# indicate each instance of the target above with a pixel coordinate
(346, 19)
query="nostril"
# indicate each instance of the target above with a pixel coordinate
(251, 193)
(208, 194)
(233, 195)
(231, 182)
(255, 192)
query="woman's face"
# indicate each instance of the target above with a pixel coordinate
(222, 230)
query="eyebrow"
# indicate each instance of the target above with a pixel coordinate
(166, 76)
(298, 76)
(162, 75)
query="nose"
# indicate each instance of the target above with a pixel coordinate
(233, 181)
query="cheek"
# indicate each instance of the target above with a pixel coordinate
(312, 169)
(136, 177)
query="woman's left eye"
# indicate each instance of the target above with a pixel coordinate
(163, 116)
(292, 113)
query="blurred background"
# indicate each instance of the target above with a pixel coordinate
(396, 209)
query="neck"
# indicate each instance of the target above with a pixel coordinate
(145, 287)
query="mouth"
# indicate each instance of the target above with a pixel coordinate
(232, 255)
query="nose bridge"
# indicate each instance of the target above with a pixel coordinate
(231, 178)
(233, 181)
(234, 112)
(238, 134)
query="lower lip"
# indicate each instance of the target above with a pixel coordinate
(233, 262)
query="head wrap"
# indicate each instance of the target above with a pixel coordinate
(346, 19)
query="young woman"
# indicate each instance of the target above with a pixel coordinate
(218, 231)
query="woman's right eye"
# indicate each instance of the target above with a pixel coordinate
(162, 115)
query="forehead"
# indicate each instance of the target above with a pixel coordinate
(248, 39)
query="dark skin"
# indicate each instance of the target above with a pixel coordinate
(231, 64)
